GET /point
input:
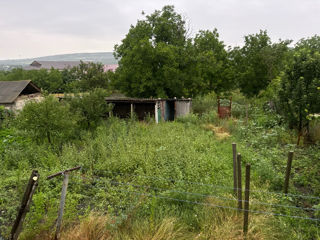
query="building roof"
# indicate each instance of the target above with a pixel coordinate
(60, 65)
(110, 67)
(10, 90)
(143, 100)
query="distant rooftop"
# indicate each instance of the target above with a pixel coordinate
(110, 67)
(10, 90)
(60, 65)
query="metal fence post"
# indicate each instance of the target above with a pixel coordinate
(239, 181)
(246, 201)
(65, 173)
(234, 152)
(62, 202)
(287, 177)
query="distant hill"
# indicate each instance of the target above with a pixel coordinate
(103, 57)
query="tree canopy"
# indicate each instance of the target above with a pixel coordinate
(85, 77)
(299, 94)
(258, 62)
(157, 59)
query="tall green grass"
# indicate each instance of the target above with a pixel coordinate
(165, 157)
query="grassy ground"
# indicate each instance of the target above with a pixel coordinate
(125, 162)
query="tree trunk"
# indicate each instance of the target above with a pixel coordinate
(48, 137)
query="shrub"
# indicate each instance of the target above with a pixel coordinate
(204, 104)
(299, 93)
(47, 121)
(90, 108)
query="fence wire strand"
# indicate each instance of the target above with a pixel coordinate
(225, 187)
(219, 206)
(207, 195)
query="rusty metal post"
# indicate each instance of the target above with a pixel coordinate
(287, 177)
(24, 208)
(239, 181)
(246, 201)
(234, 152)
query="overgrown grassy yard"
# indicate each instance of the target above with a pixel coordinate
(137, 178)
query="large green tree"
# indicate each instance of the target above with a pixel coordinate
(152, 57)
(299, 95)
(86, 77)
(258, 62)
(213, 65)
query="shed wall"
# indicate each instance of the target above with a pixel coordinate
(182, 108)
(144, 110)
(22, 100)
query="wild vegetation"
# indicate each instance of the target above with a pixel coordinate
(124, 163)
(172, 180)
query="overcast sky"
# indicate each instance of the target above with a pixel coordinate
(33, 28)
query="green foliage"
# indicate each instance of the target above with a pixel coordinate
(150, 56)
(213, 65)
(122, 161)
(47, 121)
(51, 81)
(203, 104)
(133, 152)
(299, 95)
(90, 107)
(158, 60)
(89, 76)
(258, 62)
(2, 115)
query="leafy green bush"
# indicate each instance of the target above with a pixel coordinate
(90, 108)
(47, 121)
(299, 95)
(204, 104)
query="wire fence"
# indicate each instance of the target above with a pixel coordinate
(225, 187)
(218, 206)
(173, 192)
(205, 196)
(252, 202)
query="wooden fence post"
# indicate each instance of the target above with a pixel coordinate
(287, 177)
(24, 208)
(239, 181)
(246, 201)
(234, 152)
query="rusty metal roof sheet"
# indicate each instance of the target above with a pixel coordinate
(10, 90)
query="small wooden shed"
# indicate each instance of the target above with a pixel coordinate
(159, 109)
(15, 94)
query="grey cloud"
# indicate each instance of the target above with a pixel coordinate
(96, 20)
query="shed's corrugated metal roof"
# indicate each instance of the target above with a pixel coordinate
(146, 100)
(10, 90)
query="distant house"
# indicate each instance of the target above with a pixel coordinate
(110, 67)
(60, 65)
(158, 109)
(15, 94)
